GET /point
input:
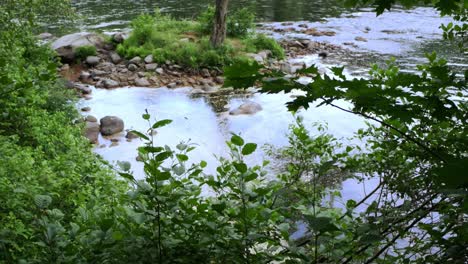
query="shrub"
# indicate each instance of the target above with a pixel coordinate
(262, 42)
(82, 52)
(240, 23)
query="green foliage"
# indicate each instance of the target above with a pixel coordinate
(239, 23)
(261, 42)
(185, 43)
(418, 152)
(82, 52)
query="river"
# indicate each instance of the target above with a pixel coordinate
(403, 34)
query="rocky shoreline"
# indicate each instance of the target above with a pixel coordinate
(108, 70)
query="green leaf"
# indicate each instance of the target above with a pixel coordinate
(240, 167)
(203, 164)
(237, 140)
(162, 123)
(182, 157)
(42, 201)
(140, 135)
(322, 224)
(162, 176)
(127, 176)
(146, 116)
(249, 148)
(251, 177)
(163, 156)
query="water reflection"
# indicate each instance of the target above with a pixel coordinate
(117, 13)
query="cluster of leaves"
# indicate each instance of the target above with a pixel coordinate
(83, 52)
(187, 43)
(418, 150)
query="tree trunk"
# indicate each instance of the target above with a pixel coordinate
(219, 27)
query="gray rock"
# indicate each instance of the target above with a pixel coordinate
(90, 118)
(115, 58)
(92, 132)
(172, 85)
(149, 59)
(86, 109)
(92, 60)
(219, 80)
(84, 75)
(159, 71)
(106, 67)
(142, 82)
(109, 83)
(132, 67)
(82, 88)
(247, 108)
(135, 60)
(141, 74)
(111, 125)
(205, 73)
(98, 73)
(151, 66)
(66, 46)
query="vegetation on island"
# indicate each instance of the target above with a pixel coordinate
(59, 203)
(187, 43)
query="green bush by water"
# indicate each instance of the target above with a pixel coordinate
(187, 42)
(85, 51)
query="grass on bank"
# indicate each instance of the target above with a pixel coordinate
(187, 42)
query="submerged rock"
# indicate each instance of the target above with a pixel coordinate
(247, 108)
(111, 125)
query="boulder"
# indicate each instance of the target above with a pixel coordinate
(84, 75)
(92, 60)
(149, 59)
(92, 132)
(151, 67)
(135, 60)
(160, 71)
(205, 73)
(90, 118)
(115, 58)
(86, 109)
(132, 67)
(111, 125)
(66, 46)
(247, 108)
(109, 83)
(142, 82)
(82, 88)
